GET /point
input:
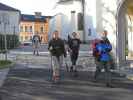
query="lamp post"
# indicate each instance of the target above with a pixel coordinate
(5, 21)
(14, 30)
(14, 33)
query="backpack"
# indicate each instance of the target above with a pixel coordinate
(104, 50)
(95, 51)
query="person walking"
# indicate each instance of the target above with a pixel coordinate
(57, 50)
(74, 46)
(36, 41)
(104, 48)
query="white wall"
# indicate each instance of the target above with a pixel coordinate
(130, 34)
(12, 20)
(69, 21)
(106, 20)
(90, 19)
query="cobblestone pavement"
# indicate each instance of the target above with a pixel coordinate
(84, 62)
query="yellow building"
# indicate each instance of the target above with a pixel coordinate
(33, 24)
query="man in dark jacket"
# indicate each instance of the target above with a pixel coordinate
(57, 49)
(36, 41)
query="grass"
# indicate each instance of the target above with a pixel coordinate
(2, 51)
(3, 64)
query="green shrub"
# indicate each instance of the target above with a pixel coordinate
(126, 51)
(3, 63)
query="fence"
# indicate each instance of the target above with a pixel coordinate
(12, 42)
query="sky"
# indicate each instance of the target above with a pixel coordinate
(31, 6)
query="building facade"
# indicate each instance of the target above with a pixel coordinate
(68, 18)
(9, 20)
(34, 24)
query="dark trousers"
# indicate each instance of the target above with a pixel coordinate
(106, 66)
(74, 57)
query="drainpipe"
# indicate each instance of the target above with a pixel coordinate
(83, 11)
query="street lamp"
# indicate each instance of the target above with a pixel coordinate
(14, 30)
(14, 33)
(5, 21)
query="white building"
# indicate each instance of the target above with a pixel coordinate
(9, 20)
(66, 19)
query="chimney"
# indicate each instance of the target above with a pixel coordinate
(38, 15)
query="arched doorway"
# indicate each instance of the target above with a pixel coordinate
(125, 30)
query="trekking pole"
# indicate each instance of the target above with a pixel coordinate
(51, 66)
(67, 68)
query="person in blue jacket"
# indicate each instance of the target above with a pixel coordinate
(104, 48)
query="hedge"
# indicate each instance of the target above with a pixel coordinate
(5, 64)
(12, 42)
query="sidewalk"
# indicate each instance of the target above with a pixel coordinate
(3, 74)
(85, 61)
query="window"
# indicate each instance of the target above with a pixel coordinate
(80, 21)
(41, 29)
(89, 32)
(30, 38)
(21, 29)
(21, 38)
(26, 38)
(26, 29)
(30, 28)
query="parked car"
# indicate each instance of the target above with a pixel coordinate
(26, 43)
